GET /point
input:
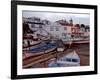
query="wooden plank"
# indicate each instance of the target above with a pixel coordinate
(38, 59)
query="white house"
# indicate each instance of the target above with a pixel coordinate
(58, 31)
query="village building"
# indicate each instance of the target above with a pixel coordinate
(87, 32)
(61, 29)
(71, 30)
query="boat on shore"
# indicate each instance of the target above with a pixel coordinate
(71, 59)
(76, 42)
(40, 49)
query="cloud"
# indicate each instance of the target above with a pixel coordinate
(54, 16)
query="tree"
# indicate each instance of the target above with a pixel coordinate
(83, 25)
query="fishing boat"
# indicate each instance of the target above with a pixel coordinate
(71, 59)
(40, 49)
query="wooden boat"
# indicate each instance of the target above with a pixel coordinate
(71, 59)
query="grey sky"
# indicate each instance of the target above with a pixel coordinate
(77, 18)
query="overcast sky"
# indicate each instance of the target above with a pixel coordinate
(77, 18)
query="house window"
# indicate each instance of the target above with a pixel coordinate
(65, 28)
(56, 36)
(73, 30)
(64, 34)
(69, 33)
(57, 29)
(51, 28)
